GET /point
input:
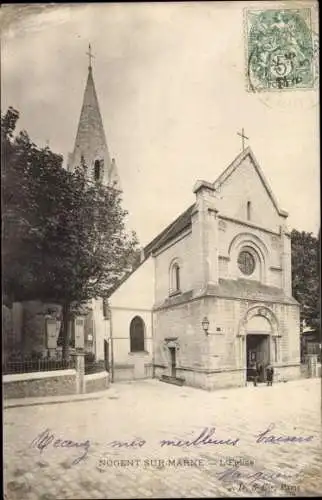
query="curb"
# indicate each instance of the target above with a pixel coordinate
(32, 401)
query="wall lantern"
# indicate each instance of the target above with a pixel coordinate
(205, 325)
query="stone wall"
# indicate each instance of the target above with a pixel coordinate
(182, 251)
(219, 358)
(125, 372)
(39, 384)
(243, 185)
(97, 382)
(213, 379)
(182, 322)
(53, 383)
(283, 373)
(225, 379)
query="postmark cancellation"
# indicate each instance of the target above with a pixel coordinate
(281, 49)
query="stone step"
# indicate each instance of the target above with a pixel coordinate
(172, 380)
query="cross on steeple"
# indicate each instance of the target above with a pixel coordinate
(243, 137)
(90, 56)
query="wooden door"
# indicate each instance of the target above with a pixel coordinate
(173, 361)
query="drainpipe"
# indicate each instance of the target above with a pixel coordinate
(153, 346)
(94, 332)
(112, 346)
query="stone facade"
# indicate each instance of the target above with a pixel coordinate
(97, 382)
(194, 270)
(40, 384)
(135, 298)
(219, 358)
(53, 383)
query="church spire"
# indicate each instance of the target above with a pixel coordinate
(90, 144)
(90, 57)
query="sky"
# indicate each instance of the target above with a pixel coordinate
(171, 83)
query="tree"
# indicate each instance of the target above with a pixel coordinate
(23, 187)
(64, 238)
(305, 276)
(87, 250)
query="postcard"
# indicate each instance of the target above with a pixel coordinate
(161, 250)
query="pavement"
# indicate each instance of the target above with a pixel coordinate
(139, 440)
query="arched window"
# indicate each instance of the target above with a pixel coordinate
(174, 277)
(246, 262)
(176, 270)
(137, 330)
(249, 258)
(249, 210)
(97, 170)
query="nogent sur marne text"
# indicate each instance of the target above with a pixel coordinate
(174, 462)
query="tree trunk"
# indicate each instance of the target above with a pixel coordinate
(66, 331)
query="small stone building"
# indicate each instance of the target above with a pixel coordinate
(213, 293)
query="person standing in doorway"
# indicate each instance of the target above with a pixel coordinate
(260, 371)
(254, 373)
(269, 374)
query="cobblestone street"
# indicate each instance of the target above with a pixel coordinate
(142, 414)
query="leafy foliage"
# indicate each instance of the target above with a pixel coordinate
(23, 168)
(306, 276)
(64, 238)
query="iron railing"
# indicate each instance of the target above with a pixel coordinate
(35, 365)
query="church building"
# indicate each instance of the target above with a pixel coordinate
(213, 291)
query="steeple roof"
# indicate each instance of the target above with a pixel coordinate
(90, 143)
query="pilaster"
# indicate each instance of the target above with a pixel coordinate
(205, 236)
(80, 371)
(286, 261)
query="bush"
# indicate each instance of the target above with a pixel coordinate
(89, 357)
(94, 366)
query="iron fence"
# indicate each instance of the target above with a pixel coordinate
(310, 348)
(35, 365)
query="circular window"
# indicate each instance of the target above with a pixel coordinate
(246, 262)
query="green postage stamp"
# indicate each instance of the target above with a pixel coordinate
(281, 50)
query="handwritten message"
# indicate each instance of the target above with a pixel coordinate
(208, 437)
(47, 439)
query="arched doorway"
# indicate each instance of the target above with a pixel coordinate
(137, 346)
(137, 335)
(259, 337)
(258, 342)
